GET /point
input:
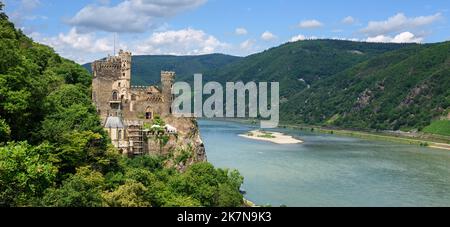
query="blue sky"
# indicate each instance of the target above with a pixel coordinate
(83, 30)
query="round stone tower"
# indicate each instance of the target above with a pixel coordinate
(167, 81)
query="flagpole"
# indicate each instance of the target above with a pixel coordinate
(115, 44)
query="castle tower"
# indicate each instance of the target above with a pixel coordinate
(123, 84)
(125, 58)
(167, 81)
(111, 83)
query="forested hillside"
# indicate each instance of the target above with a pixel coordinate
(54, 152)
(404, 89)
(299, 64)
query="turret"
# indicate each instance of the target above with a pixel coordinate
(167, 81)
(125, 61)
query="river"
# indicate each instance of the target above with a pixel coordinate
(329, 170)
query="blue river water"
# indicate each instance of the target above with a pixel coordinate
(330, 170)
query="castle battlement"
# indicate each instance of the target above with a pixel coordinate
(167, 76)
(100, 65)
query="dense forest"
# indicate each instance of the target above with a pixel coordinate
(298, 65)
(54, 152)
(400, 90)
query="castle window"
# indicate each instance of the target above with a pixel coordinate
(120, 84)
(149, 115)
(123, 74)
(115, 96)
(119, 135)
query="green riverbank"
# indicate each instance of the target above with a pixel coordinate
(419, 139)
(438, 142)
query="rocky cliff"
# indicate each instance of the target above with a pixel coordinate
(181, 149)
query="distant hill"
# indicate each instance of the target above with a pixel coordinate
(299, 64)
(355, 85)
(404, 89)
(146, 68)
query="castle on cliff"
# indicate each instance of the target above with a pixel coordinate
(125, 109)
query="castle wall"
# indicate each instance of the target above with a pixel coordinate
(102, 95)
(140, 109)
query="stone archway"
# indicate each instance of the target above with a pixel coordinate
(115, 96)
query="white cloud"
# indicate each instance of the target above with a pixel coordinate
(86, 42)
(268, 36)
(247, 45)
(130, 15)
(86, 47)
(399, 23)
(297, 38)
(80, 47)
(310, 24)
(348, 20)
(241, 31)
(404, 37)
(181, 42)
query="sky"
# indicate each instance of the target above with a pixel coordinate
(85, 30)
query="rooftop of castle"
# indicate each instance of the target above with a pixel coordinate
(122, 52)
(114, 58)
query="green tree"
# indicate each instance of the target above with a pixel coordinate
(73, 73)
(25, 173)
(148, 162)
(84, 148)
(210, 186)
(5, 131)
(228, 196)
(182, 201)
(235, 178)
(159, 121)
(131, 194)
(2, 14)
(159, 132)
(84, 189)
